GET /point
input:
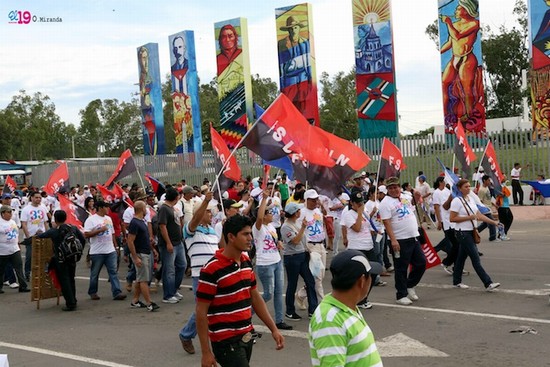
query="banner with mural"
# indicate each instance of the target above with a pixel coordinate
(374, 65)
(461, 65)
(185, 93)
(234, 81)
(539, 21)
(297, 73)
(150, 97)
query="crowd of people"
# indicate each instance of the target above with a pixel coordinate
(267, 231)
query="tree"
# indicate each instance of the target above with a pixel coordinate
(264, 90)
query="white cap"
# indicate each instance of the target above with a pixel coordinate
(383, 189)
(344, 196)
(311, 194)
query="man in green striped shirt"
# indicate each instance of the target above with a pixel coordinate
(338, 334)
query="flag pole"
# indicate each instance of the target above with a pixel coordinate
(378, 171)
(483, 156)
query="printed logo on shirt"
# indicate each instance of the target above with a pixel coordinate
(36, 216)
(11, 233)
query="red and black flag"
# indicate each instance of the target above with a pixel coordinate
(231, 170)
(156, 185)
(282, 130)
(9, 185)
(76, 215)
(491, 167)
(58, 179)
(126, 166)
(391, 161)
(463, 151)
(108, 195)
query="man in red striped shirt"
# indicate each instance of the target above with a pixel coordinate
(226, 294)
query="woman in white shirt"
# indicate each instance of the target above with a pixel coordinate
(464, 213)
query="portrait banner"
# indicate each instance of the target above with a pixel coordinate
(461, 65)
(185, 94)
(150, 97)
(234, 81)
(374, 67)
(297, 73)
(539, 21)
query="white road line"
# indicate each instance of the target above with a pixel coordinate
(73, 357)
(525, 292)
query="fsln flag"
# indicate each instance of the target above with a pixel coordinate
(156, 185)
(58, 179)
(391, 161)
(231, 170)
(108, 195)
(9, 185)
(463, 151)
(491, 167)
(282, 130)
(76, 215)
(126, 166)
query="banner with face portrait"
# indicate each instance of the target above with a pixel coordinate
(150, 97)
(297, 73)
(539, 21)
(374, 65)
(461, 65)
(185, 93)
(234, 81)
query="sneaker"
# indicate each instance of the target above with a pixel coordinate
(461, 286)
(179, 296)
(6, 283)
(95, 297)
(447, 270)
(405, 301)
(187, 345)
(390, 269)
(506, 238)
(14, 285)
(381, 284)
(491, 287)
(120, 297)
(365, 305)
(412, 294)
(283, 326)
(138, 304)
(170, 300)
(152, 307)
(293, 317)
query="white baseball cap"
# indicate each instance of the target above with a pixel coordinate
(311, 194)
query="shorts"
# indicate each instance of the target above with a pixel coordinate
(329, 226)
(143, 272)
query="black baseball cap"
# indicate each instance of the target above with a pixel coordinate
(350, 265)
(357, 197)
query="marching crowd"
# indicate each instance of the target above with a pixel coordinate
(267, 231)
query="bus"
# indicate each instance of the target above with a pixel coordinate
(18, 175)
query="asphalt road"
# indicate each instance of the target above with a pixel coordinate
(446, 327)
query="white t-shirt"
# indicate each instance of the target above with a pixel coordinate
(326, 203)
(265, 240)
(103, 242)
(515, 173)
(369, 206)
(401, 212)
(439, 198)
(336, 213)
(35, 217)
(315, 232)
(361, 240)
(188, 206)
(458, 207)
(9, 236)
(129, 215)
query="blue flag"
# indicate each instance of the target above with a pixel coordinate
(451, 179)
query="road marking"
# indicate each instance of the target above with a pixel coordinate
(525, 292)
(73, 357)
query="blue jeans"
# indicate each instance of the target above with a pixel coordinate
(173, 269)
(109, 260)
(467, 248)
(411, 254)
(298, 265)
(272, 279)
(189, 331)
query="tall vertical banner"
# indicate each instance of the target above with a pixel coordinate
(150, 97)
(539, 24)
(234, 81)
(374, 67)
(461, 65)
(185, 93)
(297, 73)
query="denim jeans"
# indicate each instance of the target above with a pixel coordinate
(411, 254)
(189, 331)
(492, 228)
(173, 269)
(17, 263)
(233, 354)
(109, 260)
(467, 248)
(272, 279)
(28, 261)
(298, 265)
(452, 252)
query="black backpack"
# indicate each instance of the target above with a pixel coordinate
(70, 249)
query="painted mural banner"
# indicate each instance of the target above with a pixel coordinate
(234, 81)
(461, 65)
(185, 93)
(150, 97)
(539, 20)
(374, 66)
(297, 73)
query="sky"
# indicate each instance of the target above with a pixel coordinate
(92, 53)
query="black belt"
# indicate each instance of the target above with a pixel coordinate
(315, 243)
(245, 338)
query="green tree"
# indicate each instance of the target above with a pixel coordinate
(264, 90)
(168, 113)
(210, 111)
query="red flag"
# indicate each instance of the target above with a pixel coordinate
(126, 166)
(156, 185)
(121, 195)
(267, 167)
(491, 167)
(75, 214)
(108, 195)
(9, 185)
(58, 179)
(432, 259)
(463, 151)
(232, 169)
(391, 161)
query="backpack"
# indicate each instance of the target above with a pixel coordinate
(70, 248)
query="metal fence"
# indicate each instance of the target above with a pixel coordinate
(419, 155)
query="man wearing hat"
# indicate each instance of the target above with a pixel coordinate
(329, 346)
(10, 253)
(397, 214)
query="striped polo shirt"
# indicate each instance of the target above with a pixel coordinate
(340, 336)
(201, 246)
(227, 286)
